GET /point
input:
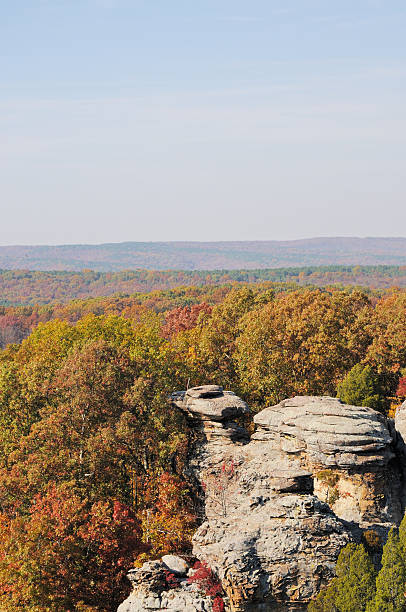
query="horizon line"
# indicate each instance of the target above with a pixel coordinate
(152, 242)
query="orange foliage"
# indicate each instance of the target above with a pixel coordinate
(169, 521)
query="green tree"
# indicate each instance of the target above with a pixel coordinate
(326, 599)
(391, 580)
(356, 579)
(402, 532)
(354, 586)
(362, 387)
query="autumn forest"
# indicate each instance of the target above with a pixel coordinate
(92, 459)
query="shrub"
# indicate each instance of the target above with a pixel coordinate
(209, 584)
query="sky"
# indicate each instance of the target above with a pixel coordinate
(155, 120)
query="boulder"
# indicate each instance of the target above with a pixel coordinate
(176, 564)
(332, 434)
(210, 402)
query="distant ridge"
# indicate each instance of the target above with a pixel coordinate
(206, 255)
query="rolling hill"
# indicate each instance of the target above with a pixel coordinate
(206, 255)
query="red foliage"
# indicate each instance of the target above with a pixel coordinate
(401, 390)
(228, 468)
(217, 484)
(208, 584)
(218, 604)
(114, 538)
(13, 329)
(171, 580)
(182, 319)
(67, 540)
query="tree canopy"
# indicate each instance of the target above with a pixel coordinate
(92, 457)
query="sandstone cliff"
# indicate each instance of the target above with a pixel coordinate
(279, 506)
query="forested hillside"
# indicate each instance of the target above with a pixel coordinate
(19, 287)
(92, 475)
(207, 255)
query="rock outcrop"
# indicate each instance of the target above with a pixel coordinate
(213, 411)
(279, 506)
(151, 590)
(347, 449)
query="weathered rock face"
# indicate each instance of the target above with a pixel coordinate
(330, 433)
(269, 539)
(279, 507)
(348, 451)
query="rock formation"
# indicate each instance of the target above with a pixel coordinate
(279, 507)
(151, 590)
(348, 451)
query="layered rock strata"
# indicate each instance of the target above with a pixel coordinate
(346, 448)
(279, 507)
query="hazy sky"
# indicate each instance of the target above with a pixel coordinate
(201, 119)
